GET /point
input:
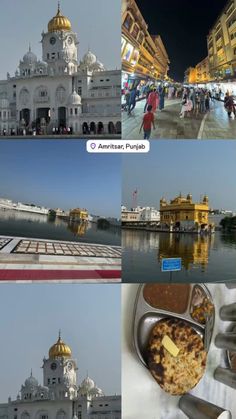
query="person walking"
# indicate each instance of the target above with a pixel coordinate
(153, 100)
(229, 104)
(127, 97)
(132, 100)
(161, 92)
(202, 101)
(207, 102)
(148, 122)
(148, 91)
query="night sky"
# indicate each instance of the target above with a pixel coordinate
(183, 26)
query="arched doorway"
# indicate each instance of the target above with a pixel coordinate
(111, 128)
(100, 128)
(25, 114)
(92, 128)
(43, 113)
(62, 117)
(85, 128)
(118, 127)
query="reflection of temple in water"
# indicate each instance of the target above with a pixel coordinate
(193, 249)
(79, 229)
(142, 241)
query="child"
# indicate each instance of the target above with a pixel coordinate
(148, 121)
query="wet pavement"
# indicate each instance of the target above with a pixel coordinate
(211, 125)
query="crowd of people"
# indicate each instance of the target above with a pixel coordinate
(198, 101)
(194, 101)
(155, 96)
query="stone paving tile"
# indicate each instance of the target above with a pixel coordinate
(4, 242)
(47, 248)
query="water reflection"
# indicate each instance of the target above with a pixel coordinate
(24, 224)
(22, 216)
(78, 229)
(192, 248)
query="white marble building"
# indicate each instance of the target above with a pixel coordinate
(60, 397)
(140, 214)
(59, 92)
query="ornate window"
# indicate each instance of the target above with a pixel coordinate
(135, 31)
(24, 96)
(41, 94)
(60, 94)
(128, 22)
(61, 415)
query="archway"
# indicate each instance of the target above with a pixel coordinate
(62, 117)
(118, 127)
(100, 128)
(85, 128)
(43, 113)
(111, 128)
(25, 114)
(92, 128)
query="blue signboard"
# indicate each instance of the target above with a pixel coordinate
(171, 264)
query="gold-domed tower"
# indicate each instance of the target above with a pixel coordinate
(59, 22)
(59, 46)
(59, 349)
(59, 371)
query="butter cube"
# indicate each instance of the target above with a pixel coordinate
(170, 346)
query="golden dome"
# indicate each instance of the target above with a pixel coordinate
(59, 22)
(60, 349)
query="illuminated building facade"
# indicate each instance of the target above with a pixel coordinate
(198, 74)
(202, 71)
(143, 55)
(221, 43)
(190, 75)
(182, 214)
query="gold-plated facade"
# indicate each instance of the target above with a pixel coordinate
(182, 213)
(79, 214)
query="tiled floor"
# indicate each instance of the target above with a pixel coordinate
(3, 242)
(63, 249)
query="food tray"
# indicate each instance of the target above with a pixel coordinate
(145, 317)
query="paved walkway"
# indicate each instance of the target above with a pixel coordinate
(33, 260)
(212, 125)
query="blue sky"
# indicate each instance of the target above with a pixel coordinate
(60, 174)
(22, 22)
(171, 167)
(89, 319)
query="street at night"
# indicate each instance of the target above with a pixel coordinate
(180, 57)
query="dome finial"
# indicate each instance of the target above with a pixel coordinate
(29, 47)
(59, 334)
(31, 373)
(59, 7)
